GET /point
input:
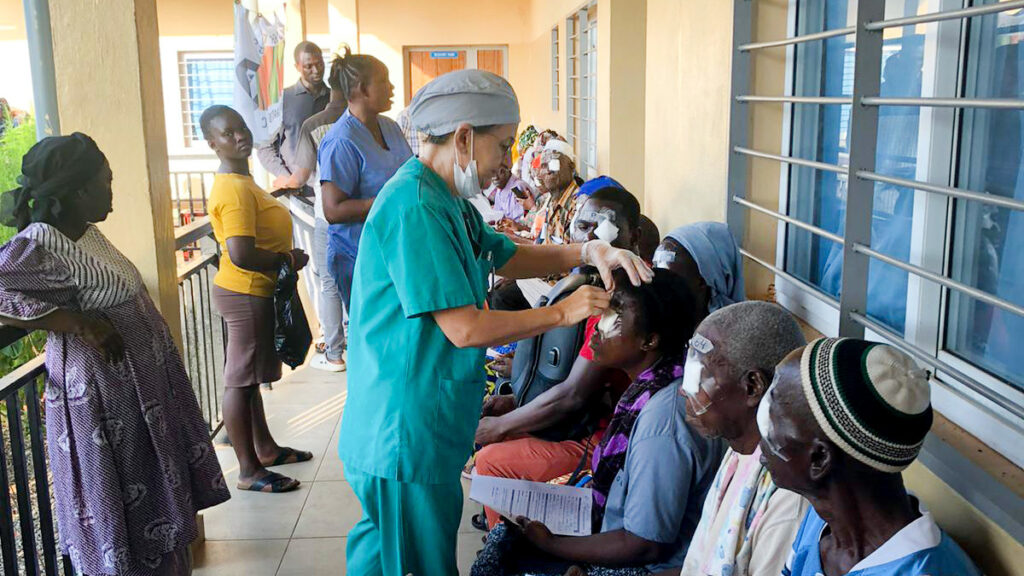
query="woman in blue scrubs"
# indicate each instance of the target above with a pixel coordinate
(419, 326)
(360, 152)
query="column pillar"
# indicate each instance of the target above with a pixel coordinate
(621, 80)
(107, 63)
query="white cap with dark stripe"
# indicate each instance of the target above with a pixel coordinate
(870, 399)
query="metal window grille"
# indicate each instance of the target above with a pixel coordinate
(581, 33)
(861, 177)
(205, 79)
(554, 69)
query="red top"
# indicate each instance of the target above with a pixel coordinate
(617, 382)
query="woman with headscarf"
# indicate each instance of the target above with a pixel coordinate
(129, 451)
(706, 254)
(419, 327)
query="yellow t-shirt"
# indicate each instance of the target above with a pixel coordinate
(238, 207)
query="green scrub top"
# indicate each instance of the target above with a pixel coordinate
(414, 399)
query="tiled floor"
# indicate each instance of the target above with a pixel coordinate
(301, 533)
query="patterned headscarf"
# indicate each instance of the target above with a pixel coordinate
(51, 170)
(610, 454)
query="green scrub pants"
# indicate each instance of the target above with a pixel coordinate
(405, 529)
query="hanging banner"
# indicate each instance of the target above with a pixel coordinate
(259, 71)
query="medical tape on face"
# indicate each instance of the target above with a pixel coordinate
(554, 165)
(609, 325)
(607, 231)
(663, 257)
(764, 423)
(694, 378)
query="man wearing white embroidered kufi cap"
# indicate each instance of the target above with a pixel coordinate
(840, 422)
(419, 327)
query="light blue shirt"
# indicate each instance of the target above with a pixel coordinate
(669, 468)
(919, 549)
(352, 160)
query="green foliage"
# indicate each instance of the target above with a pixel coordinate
(13, 145)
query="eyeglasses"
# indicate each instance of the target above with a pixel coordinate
(695, 379)
(764, 423)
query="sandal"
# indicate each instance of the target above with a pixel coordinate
(479, 521)
(271, 483)
(288, 456)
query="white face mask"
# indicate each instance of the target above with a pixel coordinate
(467, 182)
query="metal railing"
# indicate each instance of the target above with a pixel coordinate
(861, 175)
(203, 333)
(28, 534)
(189, 195)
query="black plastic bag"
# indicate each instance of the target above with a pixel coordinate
(292, 337)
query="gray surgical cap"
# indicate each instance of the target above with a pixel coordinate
(473, 97)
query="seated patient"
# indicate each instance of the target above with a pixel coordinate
(703, 254)
(841, 420)
(651, 470)
(747, 525)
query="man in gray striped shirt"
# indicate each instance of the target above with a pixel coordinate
(324, 291)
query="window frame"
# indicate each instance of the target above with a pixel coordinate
(940, 136)
(555, 69)
(184, 57)
(581, 87)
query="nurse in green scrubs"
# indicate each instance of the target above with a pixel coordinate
(419, 327)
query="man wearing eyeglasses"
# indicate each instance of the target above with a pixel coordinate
(748, 524)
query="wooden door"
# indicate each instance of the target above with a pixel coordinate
(424, 66)
(492, 61)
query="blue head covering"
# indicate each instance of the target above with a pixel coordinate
(595, 184)
(718, 258)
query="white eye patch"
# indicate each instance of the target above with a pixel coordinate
(609, 325)
(662, 258)
(554, 165)
(691, 375)
(607, 231)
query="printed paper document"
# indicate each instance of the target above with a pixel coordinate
(565, 510)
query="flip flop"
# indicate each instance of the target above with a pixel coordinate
(479, 522)
(271, 483)
(289, 456)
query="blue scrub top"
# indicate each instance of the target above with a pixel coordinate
(352, 160)
(414, 399)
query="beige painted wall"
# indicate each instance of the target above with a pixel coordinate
(687, 100)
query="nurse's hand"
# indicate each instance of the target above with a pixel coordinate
(585, 302)
(606, 258)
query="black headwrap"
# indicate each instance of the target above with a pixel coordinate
(51, 170)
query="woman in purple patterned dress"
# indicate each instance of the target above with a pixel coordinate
(131, 459)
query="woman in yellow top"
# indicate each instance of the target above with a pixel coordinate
(255, 234)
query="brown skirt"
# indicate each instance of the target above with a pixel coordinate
(250, 359)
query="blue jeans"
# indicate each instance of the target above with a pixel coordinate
(327, 299)
(342, 268)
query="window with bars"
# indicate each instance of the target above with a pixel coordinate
(206, 79)
(554, 69)
(902, 205)
(581, 95)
